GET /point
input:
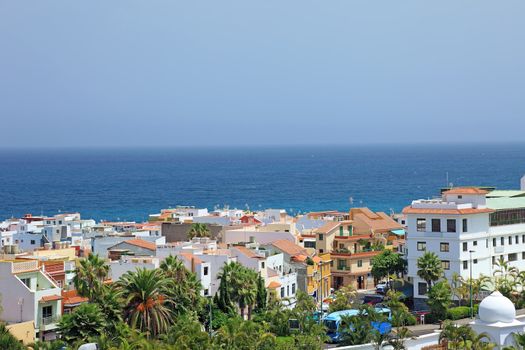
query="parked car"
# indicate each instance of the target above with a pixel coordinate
(382, 288)
(373, 299)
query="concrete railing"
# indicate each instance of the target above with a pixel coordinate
(23, 266)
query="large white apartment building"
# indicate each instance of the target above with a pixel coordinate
(468, 228)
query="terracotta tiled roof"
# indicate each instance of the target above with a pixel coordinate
(189, 256)
(410, 210)
(47, 298)
(329, 226)
(466, 190)
(274, 285)
(248, 252)
(366, 220)
(142, 243)
(288, 247)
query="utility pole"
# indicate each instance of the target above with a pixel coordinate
(471, 301)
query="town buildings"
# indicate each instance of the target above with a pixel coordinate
(469, 228)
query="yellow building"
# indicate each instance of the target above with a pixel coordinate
(23, 331)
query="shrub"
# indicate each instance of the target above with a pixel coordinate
(459, 312)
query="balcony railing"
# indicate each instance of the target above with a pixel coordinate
(49, 320)
(343, 268)
(24, 266)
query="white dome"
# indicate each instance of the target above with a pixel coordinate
(497, 308)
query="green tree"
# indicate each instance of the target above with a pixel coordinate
(198, 230)
(505, 277)
(187, 334)
(387, 263)
(429, 268)
(243, 335)
(83, 323)
(90, 275)
(345, 298)
(262, 295)
(146, 300)
(439, 299)
(238, 284)
(398, 337)
(110, 303)
(185, 290)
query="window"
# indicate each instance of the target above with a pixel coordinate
(321, 251)
(510, 240)
(444, 247)
(507, 217)
(475, 261)
(282, 292)
(445, 264)
(341, 246)
(262, 264)
(523, 239)
(321, 236)
(47, 311)
(513, 257)
(475, 243)
(422, 288)
(341, 231)
(359, 263)
(516, 240)
(205, 270)
(451, 225)
(494, 260)
(493, 242)
(465, 225)
(32, 241)
(465, 246)
(309, 244)
(421, 225)
(523, 256)
(465, 265)
(27, 282)
(436, 225)
(341, 264)
(421, 246)
(287, 290)
(293, 288)
(502, 241)
(206, 292)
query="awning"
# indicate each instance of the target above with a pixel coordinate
(47, 298)
(400, 232)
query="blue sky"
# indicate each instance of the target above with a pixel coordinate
(172, 73)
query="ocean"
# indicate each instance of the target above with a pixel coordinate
(129, 184)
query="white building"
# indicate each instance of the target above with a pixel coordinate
(467, 228)
(29, 295)
(128, 263)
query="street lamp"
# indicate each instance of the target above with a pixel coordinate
(471, 306)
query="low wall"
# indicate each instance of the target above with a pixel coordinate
(411, 344)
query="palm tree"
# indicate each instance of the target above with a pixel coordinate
(398, 337)
(146, 300)
(90, 275)
(198, 230)
(110, 303)
(481, 341)
(505, 277)
(186, 288)
(429, 268)
(239, 285)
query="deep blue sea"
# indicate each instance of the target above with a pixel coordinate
(129, 184)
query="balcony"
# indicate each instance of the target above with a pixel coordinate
(24, 266)
(48, 323)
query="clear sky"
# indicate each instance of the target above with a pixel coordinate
(171, 73)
